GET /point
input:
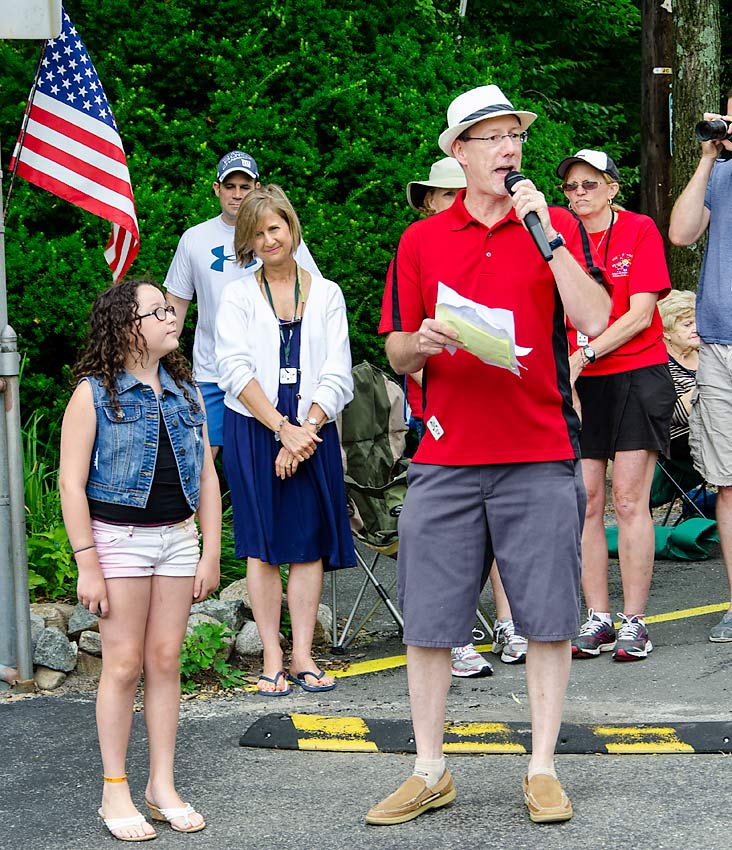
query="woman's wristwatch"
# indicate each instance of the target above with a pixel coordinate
(313, 421)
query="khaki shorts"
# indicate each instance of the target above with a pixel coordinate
(710, 422)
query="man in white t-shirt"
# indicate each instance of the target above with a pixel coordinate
(203, 264)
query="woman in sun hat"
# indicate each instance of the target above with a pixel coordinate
(627, 397)
(439, 190)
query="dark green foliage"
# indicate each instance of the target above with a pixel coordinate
(340, 103)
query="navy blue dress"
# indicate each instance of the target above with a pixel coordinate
(298, 520)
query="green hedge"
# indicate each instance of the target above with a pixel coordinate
(340, 103)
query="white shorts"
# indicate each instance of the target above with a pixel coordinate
(130, 551)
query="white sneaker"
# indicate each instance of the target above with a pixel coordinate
(506, 643)
(469, 664)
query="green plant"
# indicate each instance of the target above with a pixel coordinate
(51, 568)
(204, 652)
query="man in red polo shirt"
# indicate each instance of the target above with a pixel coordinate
(497, 472)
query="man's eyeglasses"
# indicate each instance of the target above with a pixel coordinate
(495, 141)
(587, 185)
(160, 313)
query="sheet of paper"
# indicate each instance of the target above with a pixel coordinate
(487, 332)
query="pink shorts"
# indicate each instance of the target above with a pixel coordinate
(133, 551)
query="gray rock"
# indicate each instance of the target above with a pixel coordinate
(52, 615)
(323, 626)
(37, 626)
(248, 641)
(47, 679)
(229, 611)
(195, 619)
(89, 665)
(55, 650)
(91, 642)
(237, 590)
(81, 620)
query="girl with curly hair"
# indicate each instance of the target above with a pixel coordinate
(136, 468)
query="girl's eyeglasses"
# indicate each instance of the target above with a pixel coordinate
(587, 185)
(160, 313)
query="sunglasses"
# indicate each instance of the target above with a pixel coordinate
(587, 185)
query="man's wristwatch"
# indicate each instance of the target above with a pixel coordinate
(313, 421)
(557, 242)
(589, 352)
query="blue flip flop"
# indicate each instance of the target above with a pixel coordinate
(300, 680)
(274, 682)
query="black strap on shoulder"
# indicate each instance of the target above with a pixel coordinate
(594, 270)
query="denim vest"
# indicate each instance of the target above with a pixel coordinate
(126, 444)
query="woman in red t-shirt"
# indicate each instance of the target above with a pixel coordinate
(626, 396)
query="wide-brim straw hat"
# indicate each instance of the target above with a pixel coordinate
(477, 105)
(446, 173)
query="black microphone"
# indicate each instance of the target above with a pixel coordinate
(531, 219)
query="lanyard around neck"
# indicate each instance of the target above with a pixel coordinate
(286, 343)
(297, 293)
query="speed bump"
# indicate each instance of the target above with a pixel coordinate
(360, 735)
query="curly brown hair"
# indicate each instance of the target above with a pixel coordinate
(114, 331)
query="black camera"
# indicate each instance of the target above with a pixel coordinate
(713, 131)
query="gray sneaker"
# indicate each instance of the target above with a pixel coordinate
(722, 632)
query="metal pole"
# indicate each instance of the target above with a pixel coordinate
(15, 639)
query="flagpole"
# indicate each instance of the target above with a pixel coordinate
(23, 129)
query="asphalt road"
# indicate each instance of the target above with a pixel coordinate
(268, 798)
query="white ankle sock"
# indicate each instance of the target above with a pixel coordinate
(547, 771)
(604, 616)
(431, 770)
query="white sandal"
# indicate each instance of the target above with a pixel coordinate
(170, 815)
(114, 824)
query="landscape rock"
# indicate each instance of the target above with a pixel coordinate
(89, 665)
(248, 641)
(238, 590)
(47, 679)
(52, 615)
(91, 642)
(323, 633)
(195, 619)
(81, 620)
(37, 625)
(232, 612)
(55, 650)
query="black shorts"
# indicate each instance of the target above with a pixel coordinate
(626, 411)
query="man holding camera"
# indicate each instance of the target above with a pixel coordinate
(705, 203)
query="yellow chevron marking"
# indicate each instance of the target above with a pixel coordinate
(333, 733)
(636, 740)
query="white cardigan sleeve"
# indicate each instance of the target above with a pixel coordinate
(334, 383)
(235, 348)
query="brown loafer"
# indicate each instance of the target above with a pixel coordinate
(545, 799)
(411, 799)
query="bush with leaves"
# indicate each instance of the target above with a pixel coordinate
(204, 653)
(341, 103)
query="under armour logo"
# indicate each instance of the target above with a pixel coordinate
(221, 257)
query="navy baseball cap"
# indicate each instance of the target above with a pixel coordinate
(236, 161)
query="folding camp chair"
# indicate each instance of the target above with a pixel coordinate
(373, 435)
(674, 480)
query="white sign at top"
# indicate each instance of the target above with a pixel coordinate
(30, 19)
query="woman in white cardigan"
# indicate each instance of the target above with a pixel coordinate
(285, 365)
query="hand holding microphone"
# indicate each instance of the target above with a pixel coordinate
(531, 219)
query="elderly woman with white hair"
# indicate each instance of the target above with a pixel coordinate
(678, 314)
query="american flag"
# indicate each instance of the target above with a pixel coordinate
(70, 145)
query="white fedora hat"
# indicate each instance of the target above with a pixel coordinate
(446, 173)
(477, 105)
